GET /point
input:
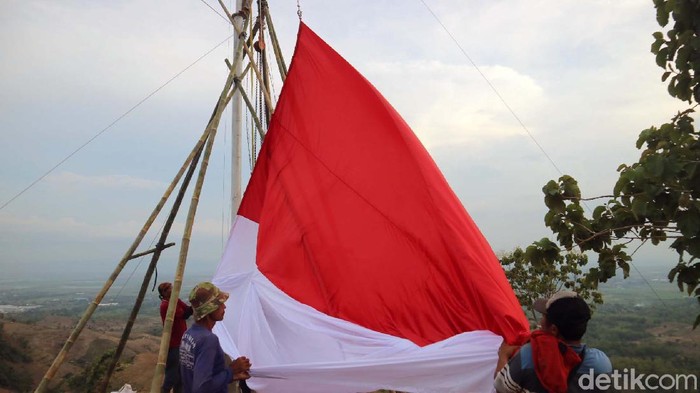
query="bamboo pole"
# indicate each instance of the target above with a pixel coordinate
(239, 89)
(224, 98)
(60, 358)
(251, 109)
(242, 74)
(177, 283)
(238, 57)
(275, 43)
(246, 48)
(236, 136)
(151, 251)
(184, 248)
(149, 272)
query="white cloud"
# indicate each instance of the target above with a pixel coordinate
(124, 49)
(447, 109)
(578, 74)
(71, 180)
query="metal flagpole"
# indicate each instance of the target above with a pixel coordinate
(236, 128)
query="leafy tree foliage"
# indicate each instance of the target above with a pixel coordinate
(541, 270)
(657, 198)
(90, 379)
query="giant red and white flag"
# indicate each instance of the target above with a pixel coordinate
(352, 265)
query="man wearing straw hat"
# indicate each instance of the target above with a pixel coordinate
(202, 364)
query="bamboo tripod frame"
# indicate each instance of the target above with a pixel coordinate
(203, 145)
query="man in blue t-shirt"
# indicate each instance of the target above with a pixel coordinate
(202, 364)
(554, 359)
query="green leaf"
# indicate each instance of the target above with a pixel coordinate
(639, 206)
(622, 182)
(672, 87)
(643, 136)
(682, 58)
(695, 43)
(683, 87)
(654, 165)
(549, 218)
(661, 17)
(598, 212)
(675, 134)
(625, 267)
(665, 76)
(571, 189)
(656, 45)
(693, 246)
(689, 223)
(662, 57)
(672, 273)
(551, 188)
(555, 203)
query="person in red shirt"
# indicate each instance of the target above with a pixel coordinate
(172, 364)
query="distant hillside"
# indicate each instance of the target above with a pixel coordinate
(13, 362)
(41, 340)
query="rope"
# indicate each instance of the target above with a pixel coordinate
(522, 125)
(498, 94)
(53, 168)
(215, 11)
(299, 10)
(272, 81)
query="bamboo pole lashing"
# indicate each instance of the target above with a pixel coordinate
(151, 251)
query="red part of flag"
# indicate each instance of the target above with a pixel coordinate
(357, 221)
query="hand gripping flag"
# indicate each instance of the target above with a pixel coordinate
(352, 265)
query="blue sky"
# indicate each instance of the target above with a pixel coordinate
(579, 75)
